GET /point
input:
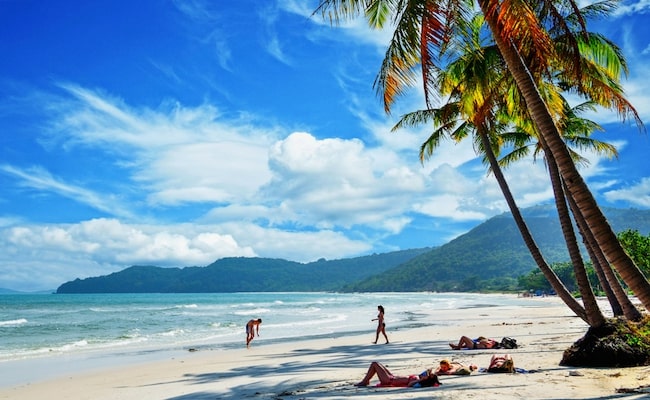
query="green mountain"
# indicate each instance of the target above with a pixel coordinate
(243, 275)
(492, 255)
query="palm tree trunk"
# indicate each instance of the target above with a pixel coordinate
(629, 310)
(577, 188)
(617, 309)
(550, 275)
(594, 314)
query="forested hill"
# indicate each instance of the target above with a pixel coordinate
(492, 255)
(243, 275)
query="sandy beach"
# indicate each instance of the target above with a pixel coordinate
(328, 368)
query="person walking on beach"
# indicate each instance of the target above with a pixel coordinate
(381, 325)
(252, 327)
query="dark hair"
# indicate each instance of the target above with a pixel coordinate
(431, 380)
(508, 366)
(259, 320)
(381, 308)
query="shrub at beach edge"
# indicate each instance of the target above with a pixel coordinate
(619, 343)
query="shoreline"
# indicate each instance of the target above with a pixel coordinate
(328, 367)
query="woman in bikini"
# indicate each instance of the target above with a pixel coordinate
(386, 378)
(501, 363)
(381, 325)
(480, 342)
(454, 368)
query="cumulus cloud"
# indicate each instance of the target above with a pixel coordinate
(334, 182)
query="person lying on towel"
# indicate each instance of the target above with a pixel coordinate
(386, 378)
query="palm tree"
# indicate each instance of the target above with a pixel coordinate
(501, 19)
(473, 74)
(602, 63)
(422, 26)
(474, 82)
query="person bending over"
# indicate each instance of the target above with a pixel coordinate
(252, 327)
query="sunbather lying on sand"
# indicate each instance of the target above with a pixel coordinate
(386, 378)
(501, 363)
(454, 368)
(481, 342)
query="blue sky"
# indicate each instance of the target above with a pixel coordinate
(174, 133)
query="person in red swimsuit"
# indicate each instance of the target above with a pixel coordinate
(386, 378)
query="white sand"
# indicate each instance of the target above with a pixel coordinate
(328, 368)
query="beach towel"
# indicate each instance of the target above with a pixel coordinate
(517, 370)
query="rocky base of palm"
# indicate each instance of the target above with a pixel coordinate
(619, 343)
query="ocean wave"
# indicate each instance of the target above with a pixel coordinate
(173, 332)
(254, 311)
(14, 322)
(187, 306)
(71, 346)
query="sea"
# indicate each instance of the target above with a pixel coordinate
(81, 328)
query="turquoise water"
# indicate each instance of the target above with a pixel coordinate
(33, 326)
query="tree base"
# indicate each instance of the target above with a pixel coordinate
(619, 343)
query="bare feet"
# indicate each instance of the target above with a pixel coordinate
(361, 384)
(453, 346)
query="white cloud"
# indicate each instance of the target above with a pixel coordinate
(356, 29)
(334, 182)
(632, 7)
(59, 253)
(113, 242)
(637, 194)
(219, 171)
(296, 245)
(203, 24)
(457, 196)
(268, 14)
(39, 179)
(180, 154)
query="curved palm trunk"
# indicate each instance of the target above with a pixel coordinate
(577, 188)
(629, 310)
(550, 275)
(594, 314)
(617, 309)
